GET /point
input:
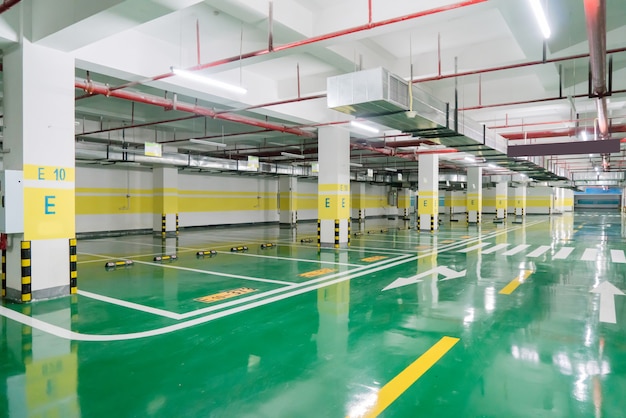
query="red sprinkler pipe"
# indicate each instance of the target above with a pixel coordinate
(512, 66)
(525, 102)
(7, 4)
(92, 88)
(308, 41)
(138, 125)
(554, 133)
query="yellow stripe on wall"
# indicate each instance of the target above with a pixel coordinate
(110, 205)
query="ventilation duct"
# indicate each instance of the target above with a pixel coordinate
(382, 97)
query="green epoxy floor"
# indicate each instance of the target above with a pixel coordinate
(135, 342)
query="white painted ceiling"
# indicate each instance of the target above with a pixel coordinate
(118, 41)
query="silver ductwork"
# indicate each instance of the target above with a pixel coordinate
(384, 98)
(595, 16)
(94, 153)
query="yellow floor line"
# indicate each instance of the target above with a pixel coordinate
(514, 284)
(392, 390)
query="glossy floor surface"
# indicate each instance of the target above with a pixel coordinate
(490, 321)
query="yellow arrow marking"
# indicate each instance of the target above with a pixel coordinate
(514, 284)
(392, 390)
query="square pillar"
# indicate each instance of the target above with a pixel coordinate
(520, 201)
(404, 202)
(474, 194)
(501, 199)
(333, 187)
(39, 213)
(428, 192)
(358, 201)
(165, 207)
(288, 198)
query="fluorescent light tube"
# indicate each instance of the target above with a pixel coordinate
(356, 165)
(364, 127)
(284, 145)
(288, 154)
(208, 81)
(393, 170)
(204, 142)
(540, 16)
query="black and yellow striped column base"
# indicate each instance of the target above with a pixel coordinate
(73, 267)
(25, 255)
(4, 273)
(319, 232)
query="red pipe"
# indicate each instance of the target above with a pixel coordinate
(92, 88)
(139, 125)
(280, 102)
(410, 143)
(520, 125)
(512, 66)
(7, 4)
(524, 102)
(554, 134)
(308, 41)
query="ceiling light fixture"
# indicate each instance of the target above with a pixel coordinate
(208, 81)
(540, 16)
(205, 142)
(280, 144)
(356, 165)
(364, 127)
(288, 154)
(393, 170)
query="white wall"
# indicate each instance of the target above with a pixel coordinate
(539, 200)
(120, 198)
(112, 198)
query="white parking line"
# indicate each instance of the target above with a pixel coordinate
(68, 334)
(213, 273)
(130, 305)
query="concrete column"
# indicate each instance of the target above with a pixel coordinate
(428, 192)
(501, 199)
(404, 202)
(37, 184)
(358, 201)
(288, 196)
(474, 194)
(334, 187)
(165, 207)
(520, 201)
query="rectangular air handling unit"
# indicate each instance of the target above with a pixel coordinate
(382, 97)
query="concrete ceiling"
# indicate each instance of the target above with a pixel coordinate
(118, 41)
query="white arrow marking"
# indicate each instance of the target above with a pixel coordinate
(443, 270)
(607, 301)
